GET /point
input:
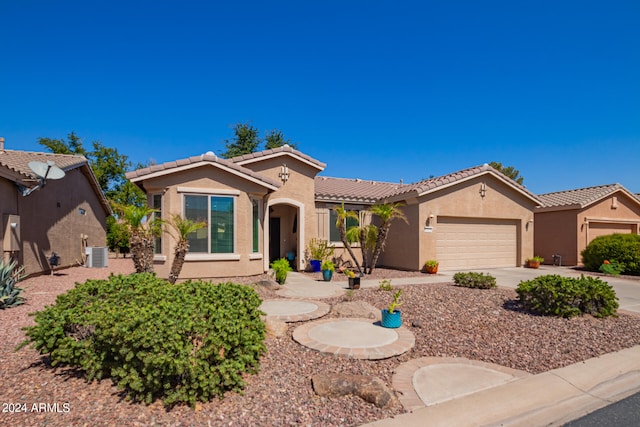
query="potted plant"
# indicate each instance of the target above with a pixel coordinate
(319, 250)
(431, 266)
(391, 316)
(354, 282)
(327, 268)
(535, 261)
(281, 268)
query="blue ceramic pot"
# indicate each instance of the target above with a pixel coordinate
(391, 320)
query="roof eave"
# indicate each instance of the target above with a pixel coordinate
(319, 166)
(138, 179)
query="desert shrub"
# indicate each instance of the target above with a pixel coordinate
(181, 343)
(281, 268)
(474, 280)
(623, 248)
(555, 295)
(612, 267)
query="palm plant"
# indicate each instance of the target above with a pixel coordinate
(387, 212)
(341, 223)
(182, 227)
(367, 236)
(143, 229)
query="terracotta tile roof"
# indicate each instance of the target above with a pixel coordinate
(285, 149)
(581, 197)
(428, 185)
(18, 162)
(352, 190)
(194, 161)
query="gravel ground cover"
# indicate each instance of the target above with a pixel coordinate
(446, 320)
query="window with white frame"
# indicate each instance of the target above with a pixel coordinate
(334, 231)
(255, 220)
(218, 212)
(156, 204)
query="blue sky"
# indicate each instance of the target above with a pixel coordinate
(383, 90)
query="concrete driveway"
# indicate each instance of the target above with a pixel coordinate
(627, 289)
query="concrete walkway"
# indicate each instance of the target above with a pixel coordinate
(462, 392)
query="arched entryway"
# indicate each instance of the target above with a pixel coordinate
(284, 231)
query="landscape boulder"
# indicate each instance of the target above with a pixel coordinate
(370, 389)
(356, 309)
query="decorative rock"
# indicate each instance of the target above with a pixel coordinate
(416, 324)
(360, 309)
(370, 389)
(275, 328)
(272, 285)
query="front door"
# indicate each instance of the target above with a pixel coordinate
(274, 239)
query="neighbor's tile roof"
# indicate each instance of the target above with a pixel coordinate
(427, 185)
(247, 158)
(580, 197)
(208, 157)
(18, 161)
(352, 190)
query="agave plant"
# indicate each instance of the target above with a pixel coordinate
(10, 296)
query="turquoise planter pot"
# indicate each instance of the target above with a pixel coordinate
(327, 275)
(391, 320)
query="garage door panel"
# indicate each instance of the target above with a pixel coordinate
(597, 229)
(467, 243)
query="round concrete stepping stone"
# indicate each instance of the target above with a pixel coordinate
(430, 380)
(354, 337)
(288, 310)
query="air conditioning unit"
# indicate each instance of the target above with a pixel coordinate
(97, 257)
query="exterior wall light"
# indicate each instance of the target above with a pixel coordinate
(284, 173)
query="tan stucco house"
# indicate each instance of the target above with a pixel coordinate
(64, 216)
(569, 220)
(269, 204)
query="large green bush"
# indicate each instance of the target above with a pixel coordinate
(181, 343)
(555, 295)
(474, 280)
(622, 248)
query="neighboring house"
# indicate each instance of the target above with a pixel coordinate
(569, 220)
(269, 204)
(64, 216)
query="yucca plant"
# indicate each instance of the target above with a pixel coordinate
(10, 296)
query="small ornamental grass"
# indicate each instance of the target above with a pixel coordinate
(554, 295)
(180, 343)
(474, 280)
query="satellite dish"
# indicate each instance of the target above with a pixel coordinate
(43, 171)
(47, 170)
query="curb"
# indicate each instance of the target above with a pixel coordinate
(552, 398)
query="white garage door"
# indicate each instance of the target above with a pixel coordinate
(472, 243)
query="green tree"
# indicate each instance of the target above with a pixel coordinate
(509, 171)
(246, 141)
(107, 164)
(275, 138)
(182, 227)
(117, 236)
